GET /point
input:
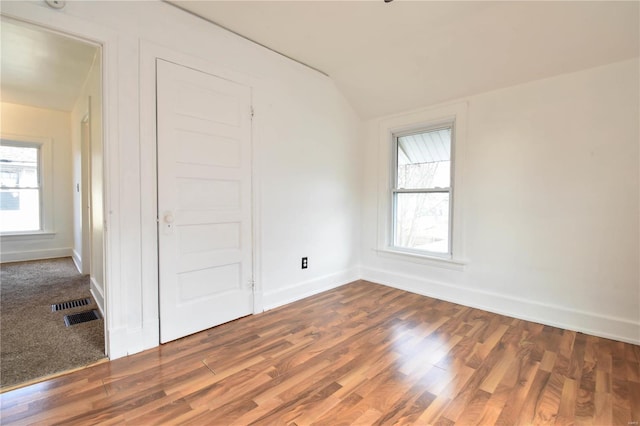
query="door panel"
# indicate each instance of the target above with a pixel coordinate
(207, 149)
(204, 200)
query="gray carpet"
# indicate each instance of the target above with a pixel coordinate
(34, 342)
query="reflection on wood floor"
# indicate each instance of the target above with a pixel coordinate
(359, 354)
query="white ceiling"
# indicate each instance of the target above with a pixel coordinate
(41, 68)
(387, 58)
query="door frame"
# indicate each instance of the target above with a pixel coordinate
(85, 196)
(88, 32)
(149, 53)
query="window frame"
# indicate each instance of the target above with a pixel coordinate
(414, 122)
(441, 125)
(45, 180)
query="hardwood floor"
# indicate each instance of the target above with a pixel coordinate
(359, 354)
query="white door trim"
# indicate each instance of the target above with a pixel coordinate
(85, 195)
(74, 27)
(149, 53)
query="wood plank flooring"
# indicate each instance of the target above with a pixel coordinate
(360, 354)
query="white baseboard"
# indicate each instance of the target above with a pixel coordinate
(20, 256)
(98, 295)
(128, 341)
(77, 260)
(557, 316)
(283, 296)
(118, 342)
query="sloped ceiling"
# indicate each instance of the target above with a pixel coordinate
(40, 68)
(391, 57)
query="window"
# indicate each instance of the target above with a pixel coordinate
(20, 187)
(421, 186)
(421, 190)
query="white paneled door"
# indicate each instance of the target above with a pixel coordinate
(204, 200)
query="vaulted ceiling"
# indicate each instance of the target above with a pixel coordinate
(390, 57)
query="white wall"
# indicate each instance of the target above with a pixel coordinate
(43, 123)
(551, 211)
(306, 176)
(92, 91)
(309, 189)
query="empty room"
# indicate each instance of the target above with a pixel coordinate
(342, 212)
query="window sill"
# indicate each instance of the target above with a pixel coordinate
(30, 235)
(438, 262)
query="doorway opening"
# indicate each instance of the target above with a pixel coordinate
(51, 203)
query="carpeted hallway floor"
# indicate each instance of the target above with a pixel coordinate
(34, 342)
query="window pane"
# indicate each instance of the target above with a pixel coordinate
(18, 167)
(422, 221)
(424, 160)
(19, 210)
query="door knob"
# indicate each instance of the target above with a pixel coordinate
(168, 218)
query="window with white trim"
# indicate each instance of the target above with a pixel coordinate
(20, 187)
(422, 188)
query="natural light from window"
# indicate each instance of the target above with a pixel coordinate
(422, 193)
(19, 188)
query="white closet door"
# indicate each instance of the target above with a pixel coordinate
(204, 200)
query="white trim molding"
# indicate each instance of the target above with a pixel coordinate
(98, 294)
(77, 260)
(455, 113)
(286, 295)
(21, 256)
(45, 166)
(453, 264)
(609, 327)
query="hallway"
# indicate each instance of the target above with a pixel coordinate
(35, 341)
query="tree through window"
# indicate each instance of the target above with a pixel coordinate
(422, 190)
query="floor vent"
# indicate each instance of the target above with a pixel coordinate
(70, 304)
(81, 317)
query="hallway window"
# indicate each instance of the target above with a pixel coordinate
(20, 187)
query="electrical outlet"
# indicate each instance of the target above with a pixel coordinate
(305, 263)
